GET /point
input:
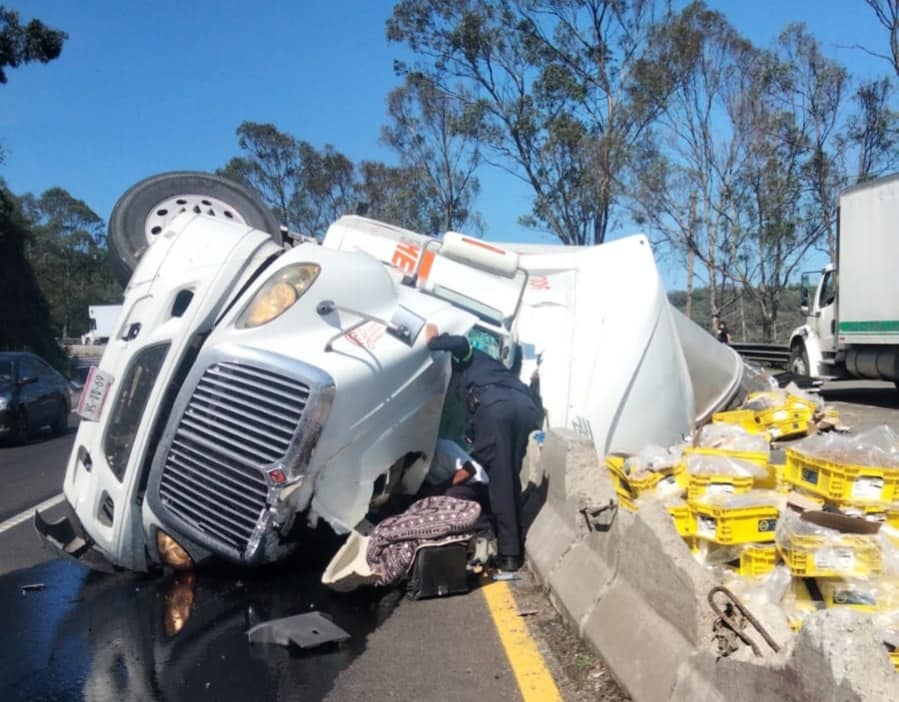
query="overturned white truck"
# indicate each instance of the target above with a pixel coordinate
(254, 386)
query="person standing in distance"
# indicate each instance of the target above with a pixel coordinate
(502, 416)
(723, 334)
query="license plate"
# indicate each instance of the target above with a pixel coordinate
(94, 393)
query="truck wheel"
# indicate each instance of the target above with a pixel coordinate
(143, 212)
(799, 360)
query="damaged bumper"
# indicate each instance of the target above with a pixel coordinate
(66, 538)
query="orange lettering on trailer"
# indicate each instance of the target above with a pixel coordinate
(405, 256)
(538, 282)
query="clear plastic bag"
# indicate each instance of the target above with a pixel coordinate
(876, 447)
(753, 498)
(701, 464)
(758, 401)
(653, 458)
(731, 438)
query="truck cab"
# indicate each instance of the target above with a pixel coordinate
(813, 346)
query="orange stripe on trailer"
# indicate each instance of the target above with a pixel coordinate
(478, 242)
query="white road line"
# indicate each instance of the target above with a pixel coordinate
(29, 513)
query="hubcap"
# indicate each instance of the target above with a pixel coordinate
(166, 210)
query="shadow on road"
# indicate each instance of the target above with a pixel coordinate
(875, 395)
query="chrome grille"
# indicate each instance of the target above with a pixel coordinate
(239, 419)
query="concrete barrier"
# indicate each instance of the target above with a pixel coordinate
(638, 596)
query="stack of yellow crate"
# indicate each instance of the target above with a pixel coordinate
(843, 569)
(741, 516)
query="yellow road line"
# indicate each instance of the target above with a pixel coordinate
(534, 680)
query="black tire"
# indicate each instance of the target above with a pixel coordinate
(23, 431)
(799, 360)
(148, 206)
(61, 421)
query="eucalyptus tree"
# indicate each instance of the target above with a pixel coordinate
(437, 137)
(685, 177)
(24, 43)
(66, 250)
(566, 88)
(305, 187)
(887, 13)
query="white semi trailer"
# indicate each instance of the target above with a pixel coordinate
(852, 313)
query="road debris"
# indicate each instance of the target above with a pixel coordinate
(307, 630)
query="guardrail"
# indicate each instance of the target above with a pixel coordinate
(766, 354)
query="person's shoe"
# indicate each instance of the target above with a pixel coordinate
(509, 564)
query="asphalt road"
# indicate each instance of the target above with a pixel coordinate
(32, 474)
(72, 634)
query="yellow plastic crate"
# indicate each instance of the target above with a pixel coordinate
(629, 488)
(792, 419)
(740, 418)
(841, 482)
(865, 596)
(892, 515)
(849, 555)
(734, 525)
(699, 486)
(757, 559)
(759, 458)
(683, 520)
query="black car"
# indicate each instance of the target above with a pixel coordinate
(32, 395)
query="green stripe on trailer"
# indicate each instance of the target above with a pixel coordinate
(887, 326)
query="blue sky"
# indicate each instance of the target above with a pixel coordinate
(149, 86)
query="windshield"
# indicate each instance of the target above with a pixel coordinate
(5, 371)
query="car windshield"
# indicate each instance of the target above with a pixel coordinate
(5, 371)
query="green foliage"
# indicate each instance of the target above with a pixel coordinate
(742, 314)
(307, 189)
(67, 252)
(398, 195)
(20, 43)
(437, 137)
(24, 312)
(565, 90)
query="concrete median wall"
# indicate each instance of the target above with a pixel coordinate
(638, 596)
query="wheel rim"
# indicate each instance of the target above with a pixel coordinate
(166, 210)
(798, 365)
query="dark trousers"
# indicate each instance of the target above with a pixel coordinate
(500, 439)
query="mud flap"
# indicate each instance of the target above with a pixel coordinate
(66, 538)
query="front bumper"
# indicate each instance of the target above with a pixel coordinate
(241, 417)
(66, 538)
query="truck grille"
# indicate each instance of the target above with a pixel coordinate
(239, 420)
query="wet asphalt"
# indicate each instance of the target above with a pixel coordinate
(73, 634)
(83, 635)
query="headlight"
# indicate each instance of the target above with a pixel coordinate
(4, 401)
(278, 294)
